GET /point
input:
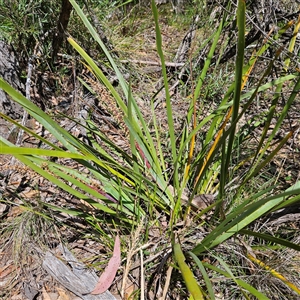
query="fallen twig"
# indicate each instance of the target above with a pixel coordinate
(153, 63)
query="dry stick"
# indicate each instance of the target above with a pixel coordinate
(135, 239)
(167, 284)
(150, 259)
(25, 114)
(142, 276)
(183, 51)
(36, 53)
(153, 63)
(181, 57)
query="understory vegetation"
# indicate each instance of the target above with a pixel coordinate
(172, 125)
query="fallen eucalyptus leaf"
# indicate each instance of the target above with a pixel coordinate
(110, 271)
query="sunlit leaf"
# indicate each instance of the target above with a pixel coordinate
(108, 276)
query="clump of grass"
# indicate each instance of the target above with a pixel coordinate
(27, 226)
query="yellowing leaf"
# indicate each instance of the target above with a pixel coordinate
(187, 274)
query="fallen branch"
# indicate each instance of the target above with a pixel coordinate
(79, 280)
(153, 63)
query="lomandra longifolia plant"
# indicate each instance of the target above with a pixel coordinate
(151, 178)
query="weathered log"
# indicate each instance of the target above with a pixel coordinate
(80, 280)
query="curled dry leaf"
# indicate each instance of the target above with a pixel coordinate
(110, 271)
(199, 202)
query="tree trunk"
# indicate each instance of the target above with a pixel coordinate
(62, 24)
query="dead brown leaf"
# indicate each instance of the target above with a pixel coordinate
(110, 272)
